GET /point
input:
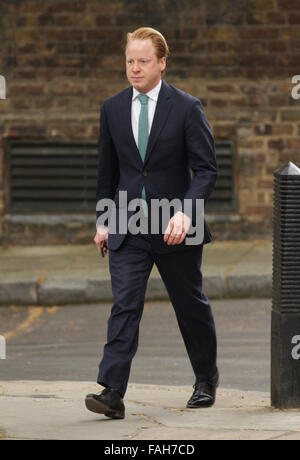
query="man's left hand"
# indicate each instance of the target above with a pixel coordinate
(177, 228)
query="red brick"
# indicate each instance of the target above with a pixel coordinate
(255, 60)
(65, 20)
(58, 6)
(218, 33)
(25, 35)
(46, 19)
(104, 34)
(255, 18)
(242, 102)
(31, 61)
(265, 183)
(211, 61)
(262, 5)
(67, 47)
(294, 18)
(104, 20)
(224, 130)
(277, 144)
(289, 60)
(26, 48)
(246, 46)
(290, 115)
(278, 100)
(62, 34)
(66, 61)
(217, 47)
(26, 20)
(26, 90)
(193, 19)
(294, 45)
(263, 129)
(251, 143)
(277, 47)
(32, 6)
(27, 130)
(276, 17)
(293, 143)
(288, 33)
(68, 88)
(289, 5)
(221, 16)
(220, 88)
(176, 47)
(265, 33)
(218, 103)
(254, 210)
(282, 128)
(196, 46)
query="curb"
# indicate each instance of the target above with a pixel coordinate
(79, 291)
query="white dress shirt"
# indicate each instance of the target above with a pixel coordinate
(136, 109)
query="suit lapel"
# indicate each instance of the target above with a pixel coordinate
(162, 110)
(126, 124)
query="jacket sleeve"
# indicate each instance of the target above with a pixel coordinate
(201, 155)
(108, 163)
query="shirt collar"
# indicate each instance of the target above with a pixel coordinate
(153, 93)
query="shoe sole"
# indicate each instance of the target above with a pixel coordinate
(200, 406)
(98, 407)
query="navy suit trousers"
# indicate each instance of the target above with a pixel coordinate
(130, 266)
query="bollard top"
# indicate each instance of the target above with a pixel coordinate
(289, 169)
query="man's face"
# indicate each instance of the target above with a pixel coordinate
(143, 68)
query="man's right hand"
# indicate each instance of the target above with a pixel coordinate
(100, 237)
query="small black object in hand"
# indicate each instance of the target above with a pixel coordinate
(104, 249)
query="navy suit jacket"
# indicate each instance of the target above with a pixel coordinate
(180, 160)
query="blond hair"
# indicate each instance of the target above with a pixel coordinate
(158, 40)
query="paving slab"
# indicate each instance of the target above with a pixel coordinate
(56, 410)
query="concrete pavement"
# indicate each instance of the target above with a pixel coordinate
(56, 410)
(68, 274)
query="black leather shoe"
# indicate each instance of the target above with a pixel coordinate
(108, 402)
(204, 394)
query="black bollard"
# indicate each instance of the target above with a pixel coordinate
(285, 324)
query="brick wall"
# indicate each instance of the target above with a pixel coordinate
(61, 59)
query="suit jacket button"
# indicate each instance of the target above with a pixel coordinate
(145, 173)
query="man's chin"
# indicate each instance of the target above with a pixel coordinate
(140, 80)
(138, 83)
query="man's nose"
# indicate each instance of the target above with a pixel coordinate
(136, 67)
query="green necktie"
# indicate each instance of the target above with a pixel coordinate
(143, 136)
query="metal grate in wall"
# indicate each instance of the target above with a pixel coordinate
(62, 177)
(52, 177)
(223, 196)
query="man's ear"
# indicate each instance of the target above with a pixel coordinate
(163, 62)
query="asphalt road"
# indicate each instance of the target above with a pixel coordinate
(66, 343)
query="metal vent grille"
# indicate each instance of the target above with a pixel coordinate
(62, 177)
(223, 196)
(52, 177)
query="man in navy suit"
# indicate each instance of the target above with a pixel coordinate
(155, 143)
